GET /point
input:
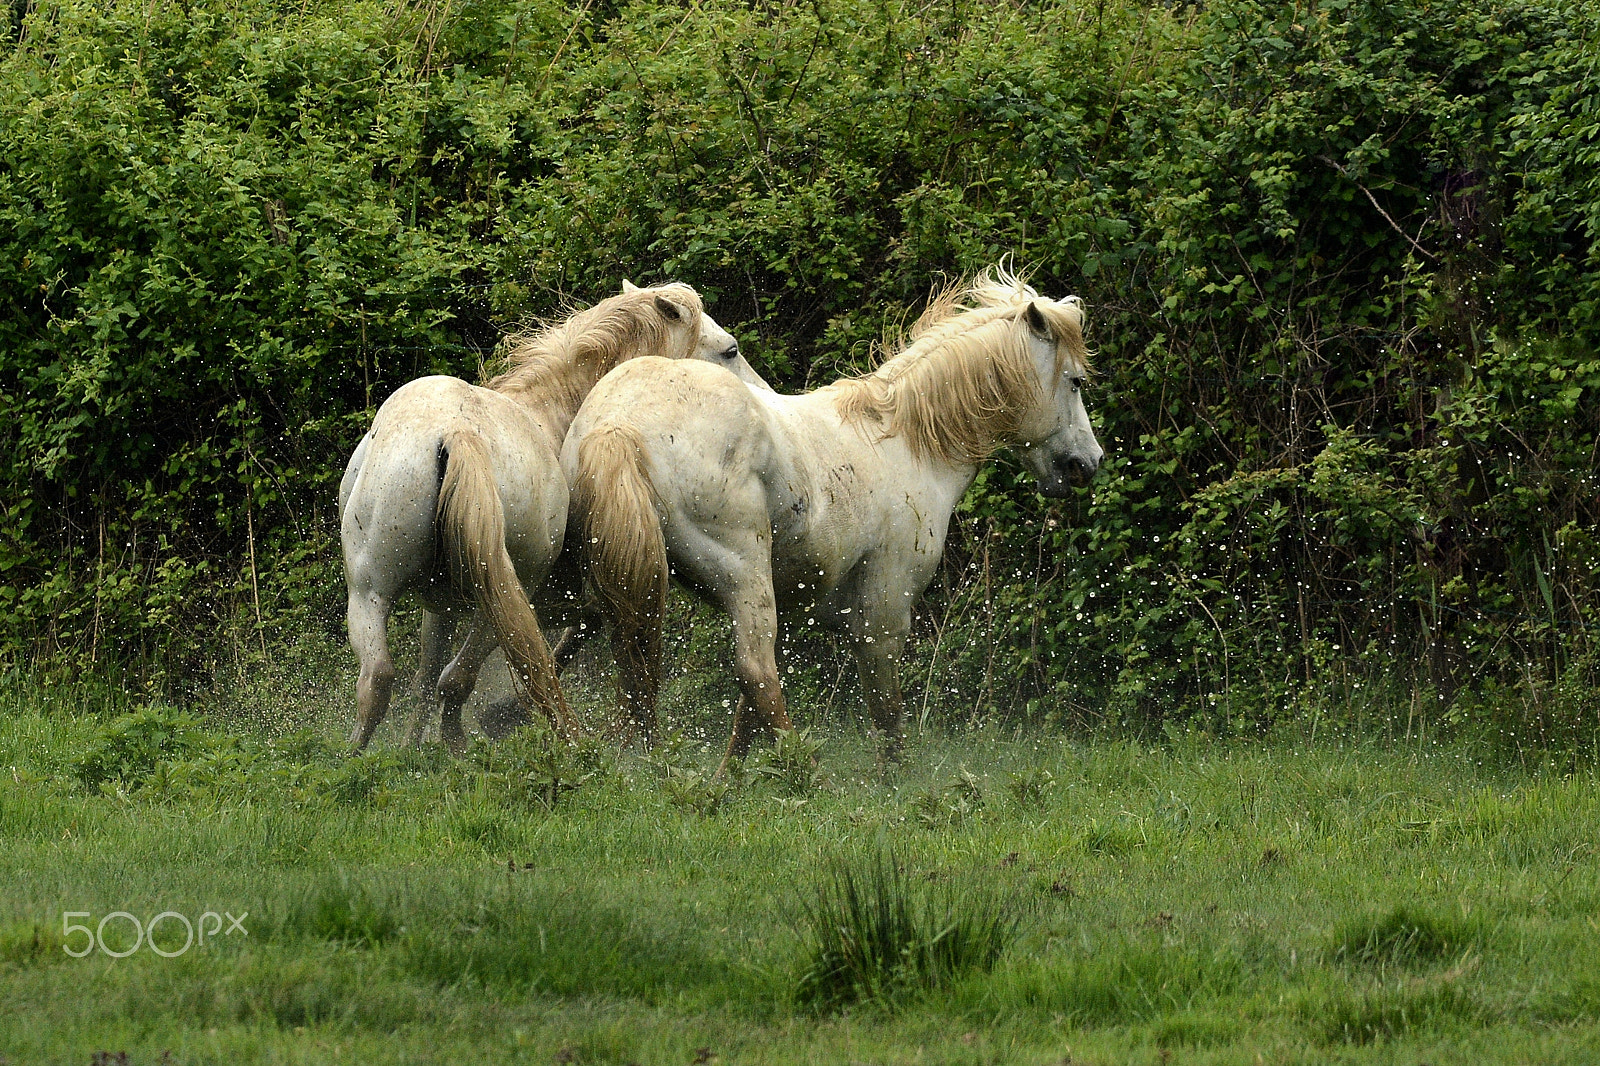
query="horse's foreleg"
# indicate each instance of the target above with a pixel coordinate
(878, 660)
(460, 678)
(744, 727)
(436, 631)
(367, 615)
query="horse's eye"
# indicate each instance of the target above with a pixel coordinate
(731, 353)
(1077, 383)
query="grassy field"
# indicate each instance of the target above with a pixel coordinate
(1195, 902)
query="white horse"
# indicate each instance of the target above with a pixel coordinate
(456, 494)
(833, 504)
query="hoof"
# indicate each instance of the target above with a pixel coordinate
(503, 717)
(891, 751)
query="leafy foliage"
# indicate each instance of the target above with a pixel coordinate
(1340, 261)
(133, 746)
(536, 767)
(791, 763)
(1030, 788)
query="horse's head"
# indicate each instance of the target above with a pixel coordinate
(710, 342)
(1056, 438)
(718, 346)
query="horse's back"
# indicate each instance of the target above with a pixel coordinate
(683, 410)
(429, 406)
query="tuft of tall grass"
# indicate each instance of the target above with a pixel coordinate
(1390, 1011)
(345, 911)
(29, 943)
(1125, 980)
(873, 935)
(552, 939)
(1402, 936)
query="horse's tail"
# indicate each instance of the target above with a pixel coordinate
(624, 549)
(472, 532)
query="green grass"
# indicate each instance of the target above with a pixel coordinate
(1193, 902)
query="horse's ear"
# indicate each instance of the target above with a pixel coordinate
(1038, 323)
(669, 310)
(628, 286)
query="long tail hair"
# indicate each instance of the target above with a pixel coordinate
(472, 531)
(624, 549)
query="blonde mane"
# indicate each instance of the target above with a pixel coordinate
(966, 381)
(555, 366)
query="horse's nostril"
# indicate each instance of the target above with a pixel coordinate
(1075, 468)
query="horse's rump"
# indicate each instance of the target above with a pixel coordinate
(472, 535)
(618, 513)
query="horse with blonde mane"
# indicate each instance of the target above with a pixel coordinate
(834, 504)
(456, 494)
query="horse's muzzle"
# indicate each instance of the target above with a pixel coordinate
(1066, 471)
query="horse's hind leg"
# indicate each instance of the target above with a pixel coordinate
(368, 618)
(460, 678)
(635, 650)
(755, 661)
(436, 632)
(572, 640)
(735, 567)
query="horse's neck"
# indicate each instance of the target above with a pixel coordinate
(553, 400)
(949, 471)
(945, 482)
(826, 441)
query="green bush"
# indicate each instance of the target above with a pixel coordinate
(1339, 259)
(791, 763)
(361, 779)
(133, 747)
